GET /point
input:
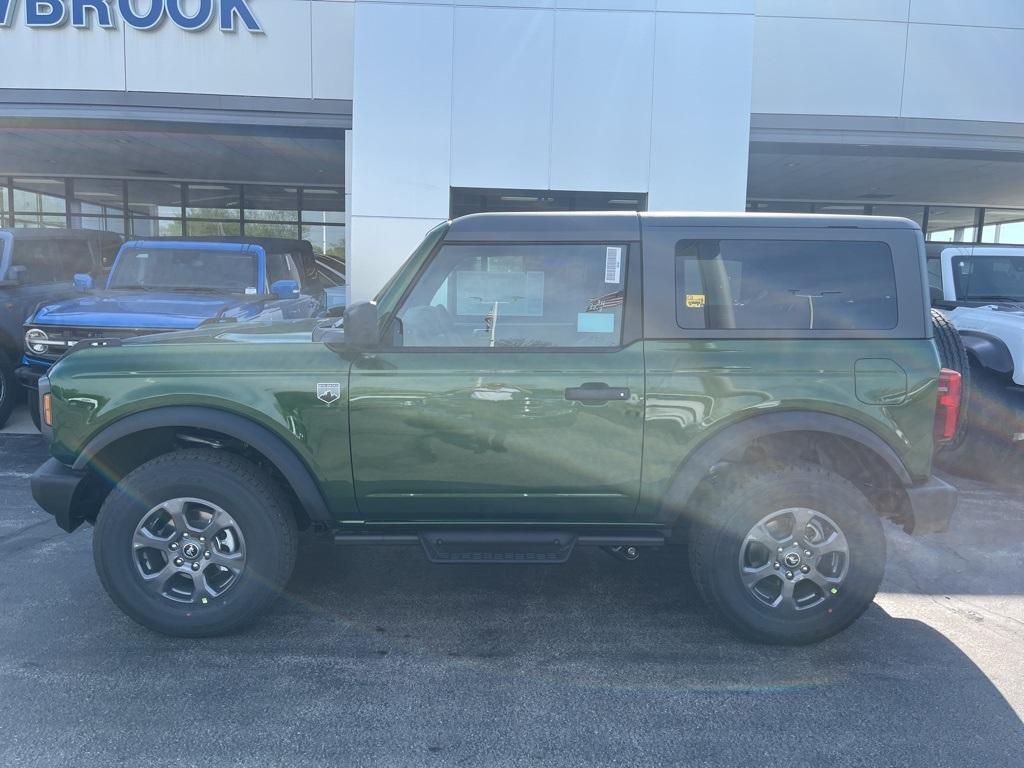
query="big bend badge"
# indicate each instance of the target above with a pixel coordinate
(328, 393)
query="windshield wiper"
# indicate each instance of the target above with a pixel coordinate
(994, 297)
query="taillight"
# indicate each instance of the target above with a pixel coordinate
(947, 410)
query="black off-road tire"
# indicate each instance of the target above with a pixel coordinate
(258, 506)
(953, 355)
(10, 389)
(986, 451)
(32, 402)
(730, 505)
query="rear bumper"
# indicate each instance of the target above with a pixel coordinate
(54, 487)
(932, 504)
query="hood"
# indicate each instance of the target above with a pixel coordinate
(127, 309)
(257, 332)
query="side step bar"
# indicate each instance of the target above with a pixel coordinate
(455, 546)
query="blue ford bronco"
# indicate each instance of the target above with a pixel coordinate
(38, 265)
(170, 285)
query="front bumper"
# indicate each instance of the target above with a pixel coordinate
(932, 504)
(55, 488)
(28, 375)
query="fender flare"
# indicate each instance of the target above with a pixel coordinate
(272, 446)
(728, 439)
(990, 352)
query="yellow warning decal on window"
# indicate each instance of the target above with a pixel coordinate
(694, 300)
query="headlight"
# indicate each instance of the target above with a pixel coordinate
(36, 341)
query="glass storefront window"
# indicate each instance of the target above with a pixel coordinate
(328, 243)
(39, 202)
(267, 203)
(271, 229)
(4, 207)
(104, 223)
(951, 225)
(214, 227)
(1003, 225)
(323, 206)
(155, 227)
(152, 199)
(213, 201)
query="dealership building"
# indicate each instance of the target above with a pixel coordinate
(359, 125)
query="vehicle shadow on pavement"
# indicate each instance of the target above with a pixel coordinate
(599, 654)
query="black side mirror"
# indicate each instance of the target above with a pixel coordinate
(362, 330)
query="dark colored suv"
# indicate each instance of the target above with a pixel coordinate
(766, 386)
(37, 266)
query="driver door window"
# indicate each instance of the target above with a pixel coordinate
(517, 296)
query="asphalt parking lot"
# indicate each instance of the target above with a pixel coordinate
(377, 658)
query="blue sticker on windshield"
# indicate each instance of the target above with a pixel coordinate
(595, 322)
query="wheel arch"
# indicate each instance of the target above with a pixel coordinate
(117, 449)
(989, 352)
(873, 465)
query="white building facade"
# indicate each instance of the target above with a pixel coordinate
(409, 111)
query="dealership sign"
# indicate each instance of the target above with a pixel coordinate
(190, 15)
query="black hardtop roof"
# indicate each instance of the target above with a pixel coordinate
(626, 225)
(50, 233)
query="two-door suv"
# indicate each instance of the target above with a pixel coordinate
(525, 384)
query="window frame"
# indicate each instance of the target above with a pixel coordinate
(632, 303)
(906, 245)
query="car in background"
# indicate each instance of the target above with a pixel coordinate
(979, 291)
(164, 285)
(38, 265)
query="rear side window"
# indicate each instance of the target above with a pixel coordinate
(784, 285)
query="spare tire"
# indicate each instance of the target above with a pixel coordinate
(953, 355)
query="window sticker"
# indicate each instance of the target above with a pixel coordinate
(516, 294)
(613, 264)
(595, 322)
(694, 300)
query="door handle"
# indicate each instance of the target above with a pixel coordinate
(596, 392)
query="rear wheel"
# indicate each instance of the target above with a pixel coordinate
(9, 388)
(789, 554)
(195, 543)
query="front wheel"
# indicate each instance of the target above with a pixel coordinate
(787, 555)
(195, 543)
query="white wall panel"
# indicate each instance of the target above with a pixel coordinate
(964, 73)
(60, 58)
(601, 121)
(501, 97)
(331, 49)
(402, 110)
(382, 244)
(171, 60)
(870, 10)
(994, 13)
(828, 67)
(701, 112)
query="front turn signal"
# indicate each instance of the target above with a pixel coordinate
(48, 409)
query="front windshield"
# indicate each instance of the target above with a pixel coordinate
(388, 296)
(185, 269)
(996, 277)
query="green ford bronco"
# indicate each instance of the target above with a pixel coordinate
(765, 386)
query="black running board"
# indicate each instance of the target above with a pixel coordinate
(527, 547)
